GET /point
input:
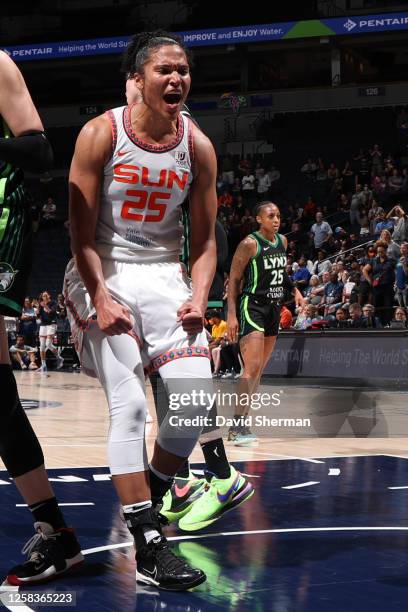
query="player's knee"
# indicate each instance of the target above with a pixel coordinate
(42, 343)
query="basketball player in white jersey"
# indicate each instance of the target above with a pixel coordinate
(130, 302)
(195, 502)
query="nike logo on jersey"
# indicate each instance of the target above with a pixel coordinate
(120, 153)
(223, 497)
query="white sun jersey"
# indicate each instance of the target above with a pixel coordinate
(143, 188)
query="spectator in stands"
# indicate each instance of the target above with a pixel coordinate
(221, 185)
(306, 317)
(227, 170)
(49, 211)
(302, 275)
(63, 327)
(22, 354)
(218, 329)
(321, 173)
(400, 220)
(239, 206)
(380, 188)
(309, 169)
(331, 246)
(355, 320)
(380, 273)
(225, 200)
(310, 208)
(376, 160)
(348, 176)
(365, 167)
(236, 188)
(365, 288)
(339, 321)
(333, 293)
(367, 195)
(259, 169)
(333, 172)
(395, 184)
(393, 250)
(374, 215)
(28, 325)
(313, 293)
(322, 264)
(274, 176)
(248, 189)
(47, 313)
(357, 201)
(401, 273)
(369, 319)
(400, 318)
(286, 318)
(383, 224)
(263, 185)
(349, 284)
(320, 231)
(245, 165)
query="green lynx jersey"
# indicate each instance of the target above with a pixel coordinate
(264, 274)
(15, 244)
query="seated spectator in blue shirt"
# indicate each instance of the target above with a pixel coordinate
(383, 224)
(302, 275)
(333, 293)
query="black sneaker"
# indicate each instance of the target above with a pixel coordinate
(158, 566)
(50, 553)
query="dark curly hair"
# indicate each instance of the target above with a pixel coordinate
(140, 46)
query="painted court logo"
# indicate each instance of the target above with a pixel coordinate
(7, 275)
(349, 25)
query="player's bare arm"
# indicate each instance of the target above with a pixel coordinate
(245, 251)
(16, 105)
(92, 150)
(203, 211)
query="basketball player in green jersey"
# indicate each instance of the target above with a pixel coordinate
(23, 146)
(258, 266)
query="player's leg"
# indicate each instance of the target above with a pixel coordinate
(22, 455)
(43, 350)
(118, 364)
(226, 487)
(194, 500)
(252, 350)
(49, 345)
(55, 549)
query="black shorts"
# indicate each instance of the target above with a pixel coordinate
(256, 315)
(15, 256)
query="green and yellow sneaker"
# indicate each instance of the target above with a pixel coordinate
(220, 496)
(183, 493)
